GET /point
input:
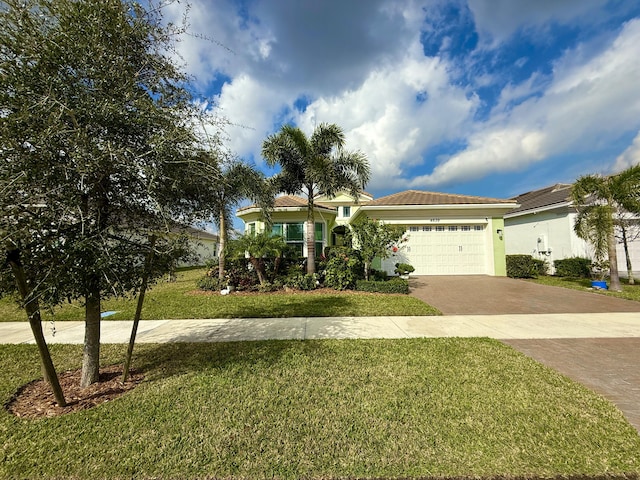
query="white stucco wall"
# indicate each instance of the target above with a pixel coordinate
(544, 235)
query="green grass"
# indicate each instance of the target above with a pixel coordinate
(321, 409)
(172, 300)
(629, 292)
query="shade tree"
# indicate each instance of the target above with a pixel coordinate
(97, 151)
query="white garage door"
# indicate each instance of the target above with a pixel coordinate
(444, 250)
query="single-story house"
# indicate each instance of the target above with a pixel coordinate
(447, 234)
(542, 226)
(204, 245)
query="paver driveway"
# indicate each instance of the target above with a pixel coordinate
(485, 295)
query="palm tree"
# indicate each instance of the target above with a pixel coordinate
(259, 247)
(600, 201)
(313, 166)
(237, 181)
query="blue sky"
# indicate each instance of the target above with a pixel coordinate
(479, 97)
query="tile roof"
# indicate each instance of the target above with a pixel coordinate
(545, 197)
(290, 201)
(417, 197)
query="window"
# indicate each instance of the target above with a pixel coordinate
(427, 229)
(277, 229)
(319, 237)
(251, 228)
(414, 229)
(346, 212)
(293, 234)
(453, 228)
(478, 228)
(465, 228)
(439, 228)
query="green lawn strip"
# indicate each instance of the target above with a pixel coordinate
(174, 300)
(629, 292)
(321, 409)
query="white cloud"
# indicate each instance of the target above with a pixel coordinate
(630, 157)
(251, 107)
(384, 119)
(501, 18)
(587, 105)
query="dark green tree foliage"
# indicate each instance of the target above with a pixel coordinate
(316, 165)
(96, 149)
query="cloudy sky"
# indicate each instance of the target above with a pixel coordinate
(480, 97)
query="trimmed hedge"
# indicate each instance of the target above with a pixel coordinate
(574, 267)
(394, 285)
(525, 266)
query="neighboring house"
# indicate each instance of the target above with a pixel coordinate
(542, 226)
(446, 234)
(204, 244)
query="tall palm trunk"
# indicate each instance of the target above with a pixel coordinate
(311, 236)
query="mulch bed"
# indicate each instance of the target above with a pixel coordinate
(36, 400)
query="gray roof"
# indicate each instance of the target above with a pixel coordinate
(555, 195)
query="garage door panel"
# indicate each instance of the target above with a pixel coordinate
(443, 250)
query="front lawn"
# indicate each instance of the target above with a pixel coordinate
(175, 300)
(629, 292)
(321, 409)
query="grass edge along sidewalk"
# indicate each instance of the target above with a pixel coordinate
(322, 409)
(181, 300)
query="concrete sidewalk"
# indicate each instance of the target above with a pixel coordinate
(541, 326)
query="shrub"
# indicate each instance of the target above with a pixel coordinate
(343, 269)
(302, 281)
(542, 266)
(393, 285)
(574, 267)
(210, 283)
(241, 275)
(404, 269)
(521, 266)
(378, 275)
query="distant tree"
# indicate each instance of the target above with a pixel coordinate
(259, 247)
(97, 150)
(313, 166)
(374, 239)
(600, 200)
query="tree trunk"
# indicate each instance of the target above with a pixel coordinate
(613, 262)
(136, 320)
(32, 308)
(366, 270)
(91, 351)
(311, 235)
(626, 255)
(222, 236)
(258, 266)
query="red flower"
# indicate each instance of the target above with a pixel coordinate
(395, 249)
